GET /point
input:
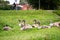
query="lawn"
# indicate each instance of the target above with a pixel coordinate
(11, 18)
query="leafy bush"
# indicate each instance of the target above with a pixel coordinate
(6, 7)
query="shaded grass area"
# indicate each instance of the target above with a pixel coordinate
(57, 12)
(42, 34)
(11, 18)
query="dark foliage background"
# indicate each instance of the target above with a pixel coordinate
(45, 4)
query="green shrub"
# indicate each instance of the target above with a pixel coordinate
(6, 7)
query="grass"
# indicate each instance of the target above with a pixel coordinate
(11, 17)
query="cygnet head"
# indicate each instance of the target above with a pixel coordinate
(35, 21)
(59, 24)
(38, 23)
(19, 20)
(6, 25)
(23, 21)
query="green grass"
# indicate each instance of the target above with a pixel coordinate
(11, 17)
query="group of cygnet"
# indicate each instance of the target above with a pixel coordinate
(36, 24)
(23, 25)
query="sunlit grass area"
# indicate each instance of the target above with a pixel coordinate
(11, 18)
